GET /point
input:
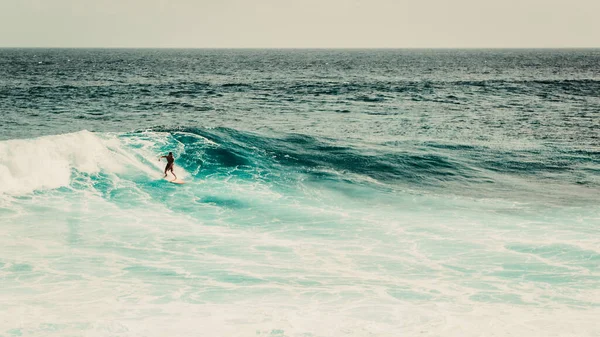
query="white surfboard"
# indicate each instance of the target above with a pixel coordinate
(177, 181)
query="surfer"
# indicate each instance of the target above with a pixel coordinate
(170, 161)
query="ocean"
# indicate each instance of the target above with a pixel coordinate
(328, 192)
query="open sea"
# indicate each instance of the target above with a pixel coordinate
(328, 193)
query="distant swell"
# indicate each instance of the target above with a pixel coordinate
(583, 87)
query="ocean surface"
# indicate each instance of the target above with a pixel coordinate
(328, 193)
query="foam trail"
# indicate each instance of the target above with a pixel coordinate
(257, 243)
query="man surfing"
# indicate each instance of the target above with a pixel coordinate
(170, 162)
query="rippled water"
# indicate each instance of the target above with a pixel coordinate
(328, 193)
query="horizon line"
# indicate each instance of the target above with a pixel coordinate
(310, 48)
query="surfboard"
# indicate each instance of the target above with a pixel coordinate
(177, 181)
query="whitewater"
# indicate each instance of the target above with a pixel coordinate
(328, 193)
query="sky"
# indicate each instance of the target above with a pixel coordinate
(300, 24)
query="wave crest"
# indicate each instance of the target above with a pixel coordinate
(27, 165)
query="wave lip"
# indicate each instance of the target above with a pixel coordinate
(47, 162)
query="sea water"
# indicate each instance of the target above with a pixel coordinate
(328, 193)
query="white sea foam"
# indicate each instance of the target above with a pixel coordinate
(239, 257)
(27, 165)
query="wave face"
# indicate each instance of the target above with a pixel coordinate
(290, 234)
(328, 193)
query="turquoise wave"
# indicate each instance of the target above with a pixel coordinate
(289, 234)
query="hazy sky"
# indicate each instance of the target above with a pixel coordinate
(298, 24)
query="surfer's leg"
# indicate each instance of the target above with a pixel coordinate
(166, 169)
(173, 173)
